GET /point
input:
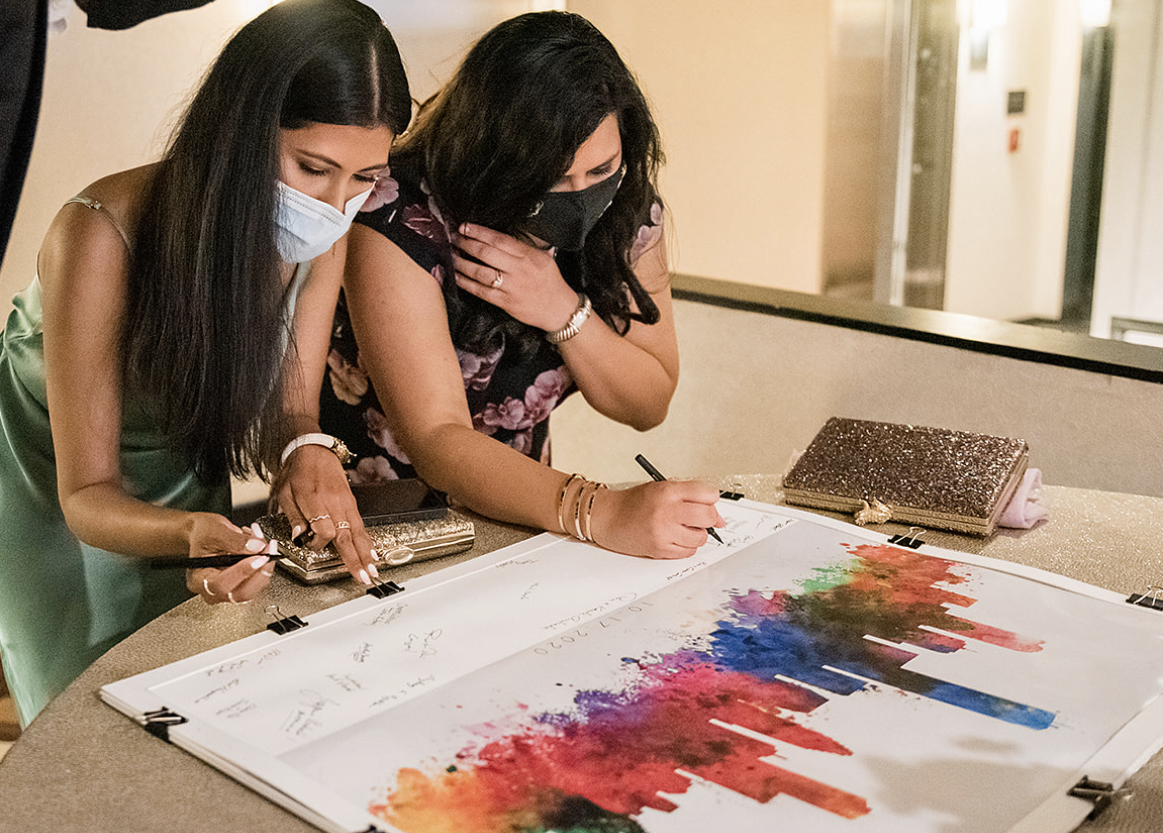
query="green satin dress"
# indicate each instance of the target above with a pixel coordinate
(64, 603)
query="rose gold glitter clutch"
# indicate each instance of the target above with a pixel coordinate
(395, 544)
(932, 477)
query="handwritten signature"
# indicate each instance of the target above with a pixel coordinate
(422, 644)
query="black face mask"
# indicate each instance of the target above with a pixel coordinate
(564, 218)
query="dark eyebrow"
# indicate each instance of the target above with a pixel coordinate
(319, 157)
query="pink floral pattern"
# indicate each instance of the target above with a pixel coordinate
(478, 370)
(545, 392)
(381, 435)
(522, 441)
(648, 234)
(522, 414)
(348, 381)
(385, 192)
(425, 221)
(371, 470)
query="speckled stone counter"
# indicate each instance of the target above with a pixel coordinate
(83, 766)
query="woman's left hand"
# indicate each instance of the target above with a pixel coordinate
(238, 583)
(519, 278)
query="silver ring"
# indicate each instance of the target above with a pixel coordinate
(318, 518)
(342, 525)
(498, 280)
(206, 587)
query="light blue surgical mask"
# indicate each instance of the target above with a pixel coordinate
(307, 227)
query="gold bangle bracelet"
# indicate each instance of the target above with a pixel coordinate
(577, 509)
(587, 516)
(561, 500)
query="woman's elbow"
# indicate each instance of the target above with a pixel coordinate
(651, 417)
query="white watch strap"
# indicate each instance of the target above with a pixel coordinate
(325, 440)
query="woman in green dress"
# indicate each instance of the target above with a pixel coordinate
(176, 334)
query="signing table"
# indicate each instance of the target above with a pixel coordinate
(82, 765)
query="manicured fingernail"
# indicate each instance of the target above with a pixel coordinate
(375, 554)
(255, 563)
(371, 568)
(269, 570)
(273, 547)
(256, 545)
(296, 531)
(257, 530)
(363, 577)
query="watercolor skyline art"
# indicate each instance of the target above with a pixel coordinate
(735, 699)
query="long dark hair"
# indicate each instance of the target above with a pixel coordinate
(206, 338)
(505, 129)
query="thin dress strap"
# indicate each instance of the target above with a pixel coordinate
(96, 205)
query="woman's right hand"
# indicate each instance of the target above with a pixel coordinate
(313, 492)
(666, 519)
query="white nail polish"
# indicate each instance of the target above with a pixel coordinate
(363, 577)
(255, 545)
(255, 563)
(296, 531)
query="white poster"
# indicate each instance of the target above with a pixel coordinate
(804, 674)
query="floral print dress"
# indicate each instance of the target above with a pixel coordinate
(510, 397)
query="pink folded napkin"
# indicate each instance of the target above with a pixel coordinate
(1025, 508)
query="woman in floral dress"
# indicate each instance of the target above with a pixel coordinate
(516, 255)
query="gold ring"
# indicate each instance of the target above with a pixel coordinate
(342, 525)
(318, 518)
(498, 280)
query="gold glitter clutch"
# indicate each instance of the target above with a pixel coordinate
(932, 477)
(394, 543)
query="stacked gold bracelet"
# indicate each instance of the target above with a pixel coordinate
(575, 506)
(573, 325)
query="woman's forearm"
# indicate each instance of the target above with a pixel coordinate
(102, 515)
(487, 476)
(621, 379)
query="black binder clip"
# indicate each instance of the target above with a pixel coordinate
(1100, 793)
(159, 721)
(910, 539)
(383, 589)
(283, 624)
(1153, 598)
(732, 492)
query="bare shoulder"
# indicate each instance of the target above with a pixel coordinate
(376, 264)
(89, 240)
(121, 194)
(111, 203)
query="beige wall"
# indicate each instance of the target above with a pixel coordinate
(109, 97)
(738, 88)
(756, 388)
